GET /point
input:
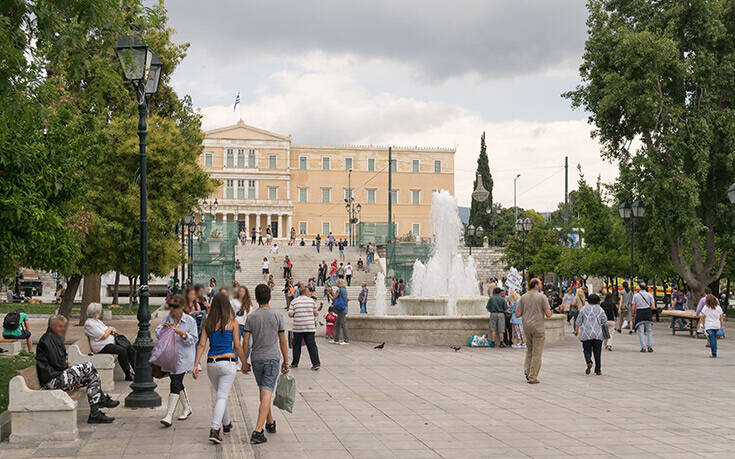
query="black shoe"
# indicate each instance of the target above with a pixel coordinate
(643, 350)
(589, 367)
(294, 365)
(129, 378)
(598, 373)
(99, 418)
(650, 349)
(270, 428)
(630, 332)
(215, 436)
(502, 346)
(316, 367)
(257, 437)
(619, 330)
(107, 402)
(227, 428)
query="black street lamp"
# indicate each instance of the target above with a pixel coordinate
(493, 221)
(210, 206)
(470, 231)
(523, 226)
(631, 212)
(143, 69)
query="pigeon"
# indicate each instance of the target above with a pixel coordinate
(380, 346)
(456, 348)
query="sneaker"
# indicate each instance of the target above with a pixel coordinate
(643, 350)
(589, 367)
(515, 346)
(107, 402)
(99, 418)
(502, 346)
(316, 367)
(270, 428)
(533, 381)
(618, 330)
(342, 342)
(215, 436)
(598, 373)
(257, 437)
(523, 346)
(650, 349)
(331, 341)
(227, 428)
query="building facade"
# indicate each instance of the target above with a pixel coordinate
(269, 181)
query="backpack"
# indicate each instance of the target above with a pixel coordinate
(11, 321)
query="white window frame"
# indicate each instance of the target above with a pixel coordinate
(439, 162)
(369, 168)
(415, 166)
(375, 195)
(270, 188)
(240, 152)
(305, 229)
(241, 189)
(394, 161)
(395, 201)
(306, 163)
(306, 193)
(230, 188)
(254, 153)
(272, 161)
(329, 163)
(413, 201)
(329, 195)
(229, 154)
(352, 163)
(254, 187)
(413, 226)
(329, 228)
(208, 159)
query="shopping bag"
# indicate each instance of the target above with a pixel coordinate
(285, 392)
(164, 351)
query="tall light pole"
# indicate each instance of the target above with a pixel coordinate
(631, 212)
(493, 221)
(515, 207)
(143, 69)
(524, 226)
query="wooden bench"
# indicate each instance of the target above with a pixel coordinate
(39, 414)
(691, 316)
(80, 352)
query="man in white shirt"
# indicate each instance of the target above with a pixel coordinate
(643, 306)
(303, 311)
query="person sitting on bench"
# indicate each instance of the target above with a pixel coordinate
(106, 340)
(15, 326)
(54, 371)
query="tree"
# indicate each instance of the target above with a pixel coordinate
(478, 210)
(658, 79)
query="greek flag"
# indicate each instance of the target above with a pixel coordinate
(237, 101)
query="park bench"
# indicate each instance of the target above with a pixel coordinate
(81, 352)
(11, 346)
(38, 414)
(690, 316)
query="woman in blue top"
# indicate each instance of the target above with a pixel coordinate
(185, 328)
(516, 323)
(221, 328)
(339, 302)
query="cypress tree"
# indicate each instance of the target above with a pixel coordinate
(478, 210)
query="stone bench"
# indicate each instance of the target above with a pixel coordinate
(41, 415)
(11, 346)
(80, 352)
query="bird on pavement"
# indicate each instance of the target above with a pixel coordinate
(456, 348)
(380, 346)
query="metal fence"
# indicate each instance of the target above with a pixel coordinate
(213, 252)
(400, 257)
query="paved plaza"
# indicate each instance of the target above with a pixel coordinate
(409, 401)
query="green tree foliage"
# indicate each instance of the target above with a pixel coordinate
(478, 210)
(541, 246)
(659, 79)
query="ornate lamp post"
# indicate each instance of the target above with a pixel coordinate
(143, 69)
(524, 226)
(470, 231)
(210, 206)
(631, 212)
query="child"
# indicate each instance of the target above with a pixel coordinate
(519, 338)
(331, 318)
(711, 315)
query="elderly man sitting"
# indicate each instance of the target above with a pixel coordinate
(54, 371)
(102, 340)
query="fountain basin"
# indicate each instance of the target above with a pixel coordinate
(425, 330)
(439, 306)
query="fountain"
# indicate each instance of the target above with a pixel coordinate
(447, 284)
(381, 294)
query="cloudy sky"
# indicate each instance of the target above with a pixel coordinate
(402, 72)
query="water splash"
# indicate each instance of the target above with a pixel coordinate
(381, 294)
(446, 273)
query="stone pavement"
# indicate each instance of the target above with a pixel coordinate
(409, 401)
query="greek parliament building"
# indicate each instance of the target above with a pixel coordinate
(268, 180)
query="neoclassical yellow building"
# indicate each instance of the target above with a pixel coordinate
(268, 180)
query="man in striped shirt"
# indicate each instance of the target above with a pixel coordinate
(304, 311)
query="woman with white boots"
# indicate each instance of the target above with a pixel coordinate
(222, 331)
(185, 328)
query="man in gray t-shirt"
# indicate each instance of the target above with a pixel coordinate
(267, 330)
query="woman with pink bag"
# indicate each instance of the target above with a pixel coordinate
(185, 340)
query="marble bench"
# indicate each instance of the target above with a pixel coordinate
(80, 352)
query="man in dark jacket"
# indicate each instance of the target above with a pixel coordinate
(54, 371)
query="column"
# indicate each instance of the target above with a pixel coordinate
(261, 226)
(289, 224)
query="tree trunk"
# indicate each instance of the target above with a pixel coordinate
(90, 294)
(130, 290)
(116, 289)
(67, 301)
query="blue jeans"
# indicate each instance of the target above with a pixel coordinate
(363, 308)
(647, 330)
(712, 336)
(682, 323)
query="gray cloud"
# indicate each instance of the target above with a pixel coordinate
(439, 39)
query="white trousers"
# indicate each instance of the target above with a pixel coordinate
(221, 375)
